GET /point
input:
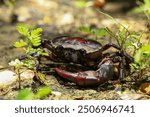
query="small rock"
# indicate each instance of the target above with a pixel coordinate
(23, 14)
(7, 77)
(47, 3)
(27, 74)
(67, 18)
(56, 93)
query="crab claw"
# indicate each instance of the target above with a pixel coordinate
(86, 78)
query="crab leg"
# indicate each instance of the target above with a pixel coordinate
(87, 78)
(105, 47)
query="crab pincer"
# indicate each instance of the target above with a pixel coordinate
(88, 78)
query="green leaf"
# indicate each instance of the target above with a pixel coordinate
(101, 32)
(36, 32)
(25, 94)
(129, 45)
(29, 63)
(23, 29)
(146, 49)
(138, 9)
(134, 66)
(85, 29)
(41, 52)
(20, 44)
(43, 92)
(142, 56)
(42, 77)
(36, 41)
(44, 54)
(144, 7)
(137, 56)
(80, 3)
(147, 3)
(122, 32)
(35, 37)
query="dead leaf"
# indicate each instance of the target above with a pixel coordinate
(129, 95)
(145, 88)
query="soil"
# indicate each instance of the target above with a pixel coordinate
(61, 17)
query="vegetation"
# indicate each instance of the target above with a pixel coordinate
(143, 7)
(128, 41)
(82, 3)
(8, 3)
(17, 65)
(27, 94)
(29, 42)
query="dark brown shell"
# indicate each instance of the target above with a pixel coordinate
(76, 49)
(77, 43)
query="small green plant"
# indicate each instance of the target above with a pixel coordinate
(141, 60)
(97, 32)
(143, 7)
(30, 42)
(17, 65)
(132, 40)
(142, 53)
(124, 38)
(128, 41)
(27, 94)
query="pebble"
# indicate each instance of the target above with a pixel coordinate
(7, 77)
(67, 18)
(23, 14)
(56, 93)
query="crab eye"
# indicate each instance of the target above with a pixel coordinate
(44, 41)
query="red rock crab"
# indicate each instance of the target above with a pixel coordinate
(87, 53)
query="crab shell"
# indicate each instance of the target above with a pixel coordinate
(77, 50)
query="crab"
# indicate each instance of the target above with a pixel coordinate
(106, 65)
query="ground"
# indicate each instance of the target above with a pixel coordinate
(60, 17)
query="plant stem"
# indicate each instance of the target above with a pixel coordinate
(19, 78)
(140, 74)
(113, 35)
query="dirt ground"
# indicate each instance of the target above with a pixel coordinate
(60, 17)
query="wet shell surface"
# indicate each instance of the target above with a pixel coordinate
(77, 43)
